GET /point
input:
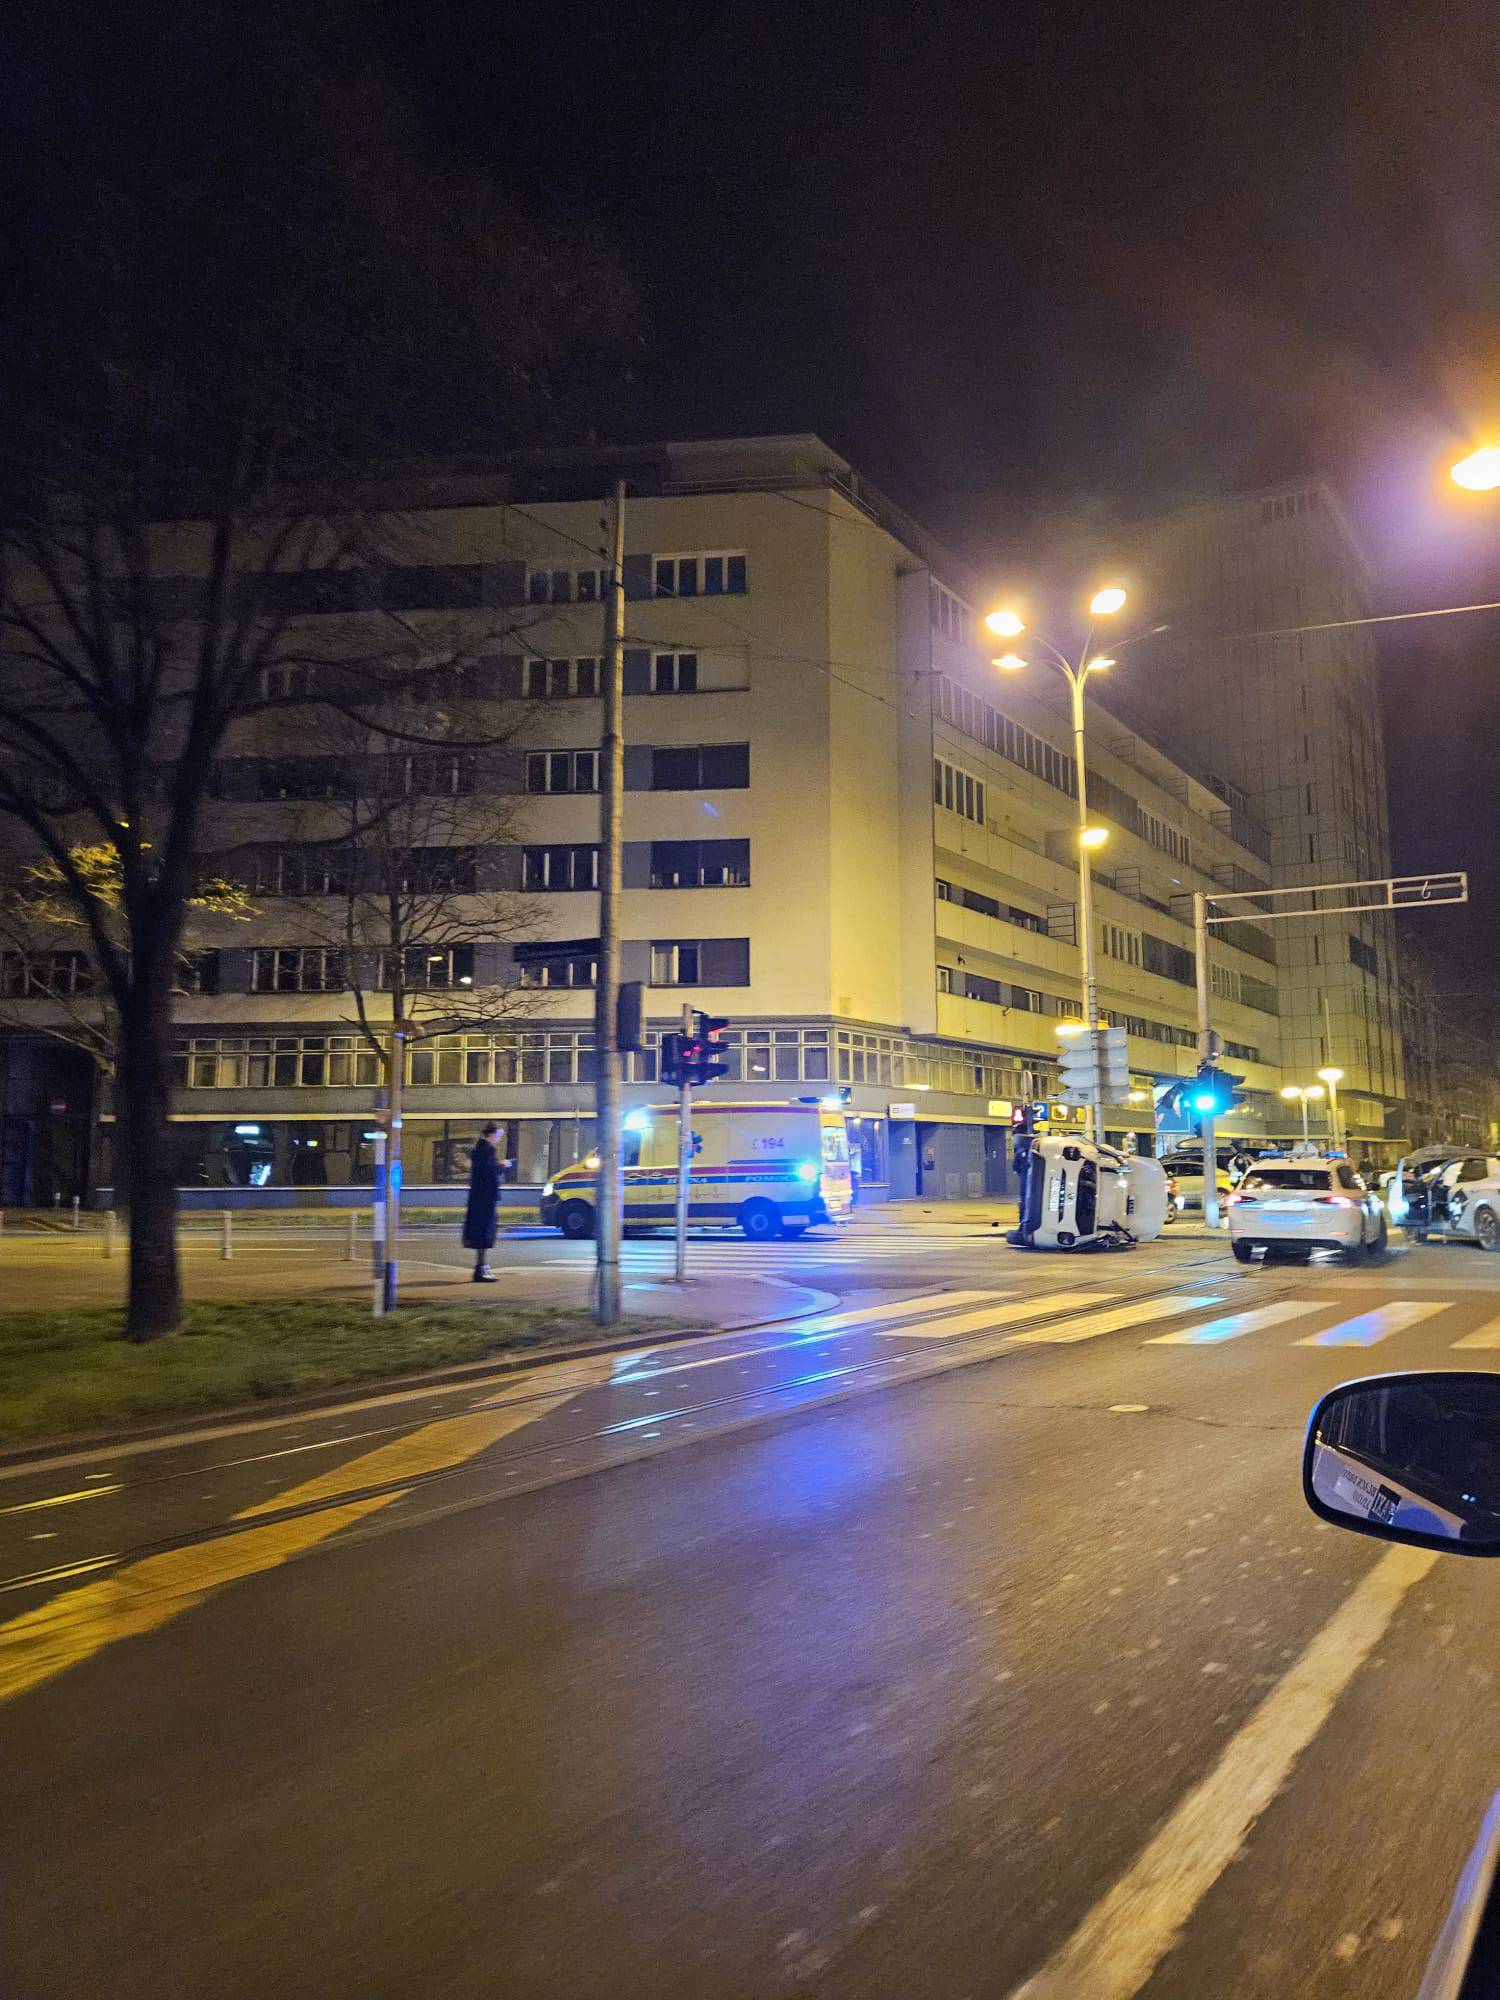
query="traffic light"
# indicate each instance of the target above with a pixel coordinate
(1096, 1056)
(1020, 1118)
(630, 1016)
(1212, 1092)
(1076, 1069)
(697, 1058)
(710, 1057)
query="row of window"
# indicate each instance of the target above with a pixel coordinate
(959, 790)
(1119, 943)
(44, 975)
(436, 774)
(309, 869)
(991, 906)
(1027, 1000)
(316, 968)
(689, 767)
(645, 673)
(997, 732)
(674, 962)
(1364, 956)
(566, 1055)
(710, 573)
(950, 614)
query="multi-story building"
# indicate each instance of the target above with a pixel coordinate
(1290, 721)
(844, 831)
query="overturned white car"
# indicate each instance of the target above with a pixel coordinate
(1079, 1196)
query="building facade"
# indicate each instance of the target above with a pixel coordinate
(845, 831)
(1290, 721)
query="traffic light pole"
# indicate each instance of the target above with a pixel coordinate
(609, 1188)
(1205, 1055)
(684, 1151)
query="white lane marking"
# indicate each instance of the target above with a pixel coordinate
(1487, 1335)
(1093, 1324)
(1133, 1926)
(802, 1330)
(1032, 1308)
(1232, 1325)
(1366, 1328)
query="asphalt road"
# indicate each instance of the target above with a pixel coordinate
(969, 1635)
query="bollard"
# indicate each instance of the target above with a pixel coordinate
(75, 1212)
(351, 1254)
(109, 1232)
(226, 1235)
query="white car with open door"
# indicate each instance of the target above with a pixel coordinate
(1462, 1203)
(1288, 1208)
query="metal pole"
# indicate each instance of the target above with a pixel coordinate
(76, 1206)
(609, 1187)
(1205, 1054)
(1303, 1096)
(390, 1263)
(684, 1154)
(109, 1232)
(377, 1222)
(226, 1235)
(352, 1253)
(1086, 908)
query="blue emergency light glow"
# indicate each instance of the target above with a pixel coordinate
(247, 1131)
(807, 1170)
(638, 1121)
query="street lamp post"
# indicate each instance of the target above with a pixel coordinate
(1333, 1078)
(1303, 1093)
(1007, 625)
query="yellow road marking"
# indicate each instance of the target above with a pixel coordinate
(145, 1595)
(59, 1499)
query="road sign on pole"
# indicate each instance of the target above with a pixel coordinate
(1095, 1066)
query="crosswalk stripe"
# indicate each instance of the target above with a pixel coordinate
(998, 1316)
(1232, 1325)
(1109, 1322)
(1487, 1335)
(1366, 1328)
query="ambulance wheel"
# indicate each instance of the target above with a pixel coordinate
(761, 1221)
(576, 1219)
(1243, 1252)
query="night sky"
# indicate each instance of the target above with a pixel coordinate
(1042, 267)
(1034, 265)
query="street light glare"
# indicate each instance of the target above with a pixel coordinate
(1094, 836)
(1331, 1075)
(1480, 471)
(1098, 664)
(1006, 623)
(1103, 602)
(1008, 663)
(1315, 1091)
(1291, 1092)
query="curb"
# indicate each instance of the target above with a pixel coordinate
(511, 1361)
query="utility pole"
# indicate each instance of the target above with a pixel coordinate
(609, 1188)
(1206, 1054)
(1086, 901)
(684, 1147)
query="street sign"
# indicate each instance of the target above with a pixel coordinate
(1097, 1057)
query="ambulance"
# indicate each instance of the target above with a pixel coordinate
(770, 1169)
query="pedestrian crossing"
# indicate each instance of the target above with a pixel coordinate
(730, 1254)
(1066, 1318)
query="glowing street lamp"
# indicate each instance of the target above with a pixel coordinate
(1008, 624)
(1479, 472)
(1302, 1093)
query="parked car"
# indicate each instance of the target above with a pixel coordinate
(1291, 1207)
(1186, 1169)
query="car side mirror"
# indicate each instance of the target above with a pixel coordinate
(1410, 1458)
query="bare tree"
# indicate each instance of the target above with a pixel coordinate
(264, 284)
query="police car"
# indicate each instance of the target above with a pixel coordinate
(1289, 1206)
(1079, 1196)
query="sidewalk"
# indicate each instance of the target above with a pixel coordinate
(39, 1272)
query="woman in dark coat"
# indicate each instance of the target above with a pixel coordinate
(484, 1197)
